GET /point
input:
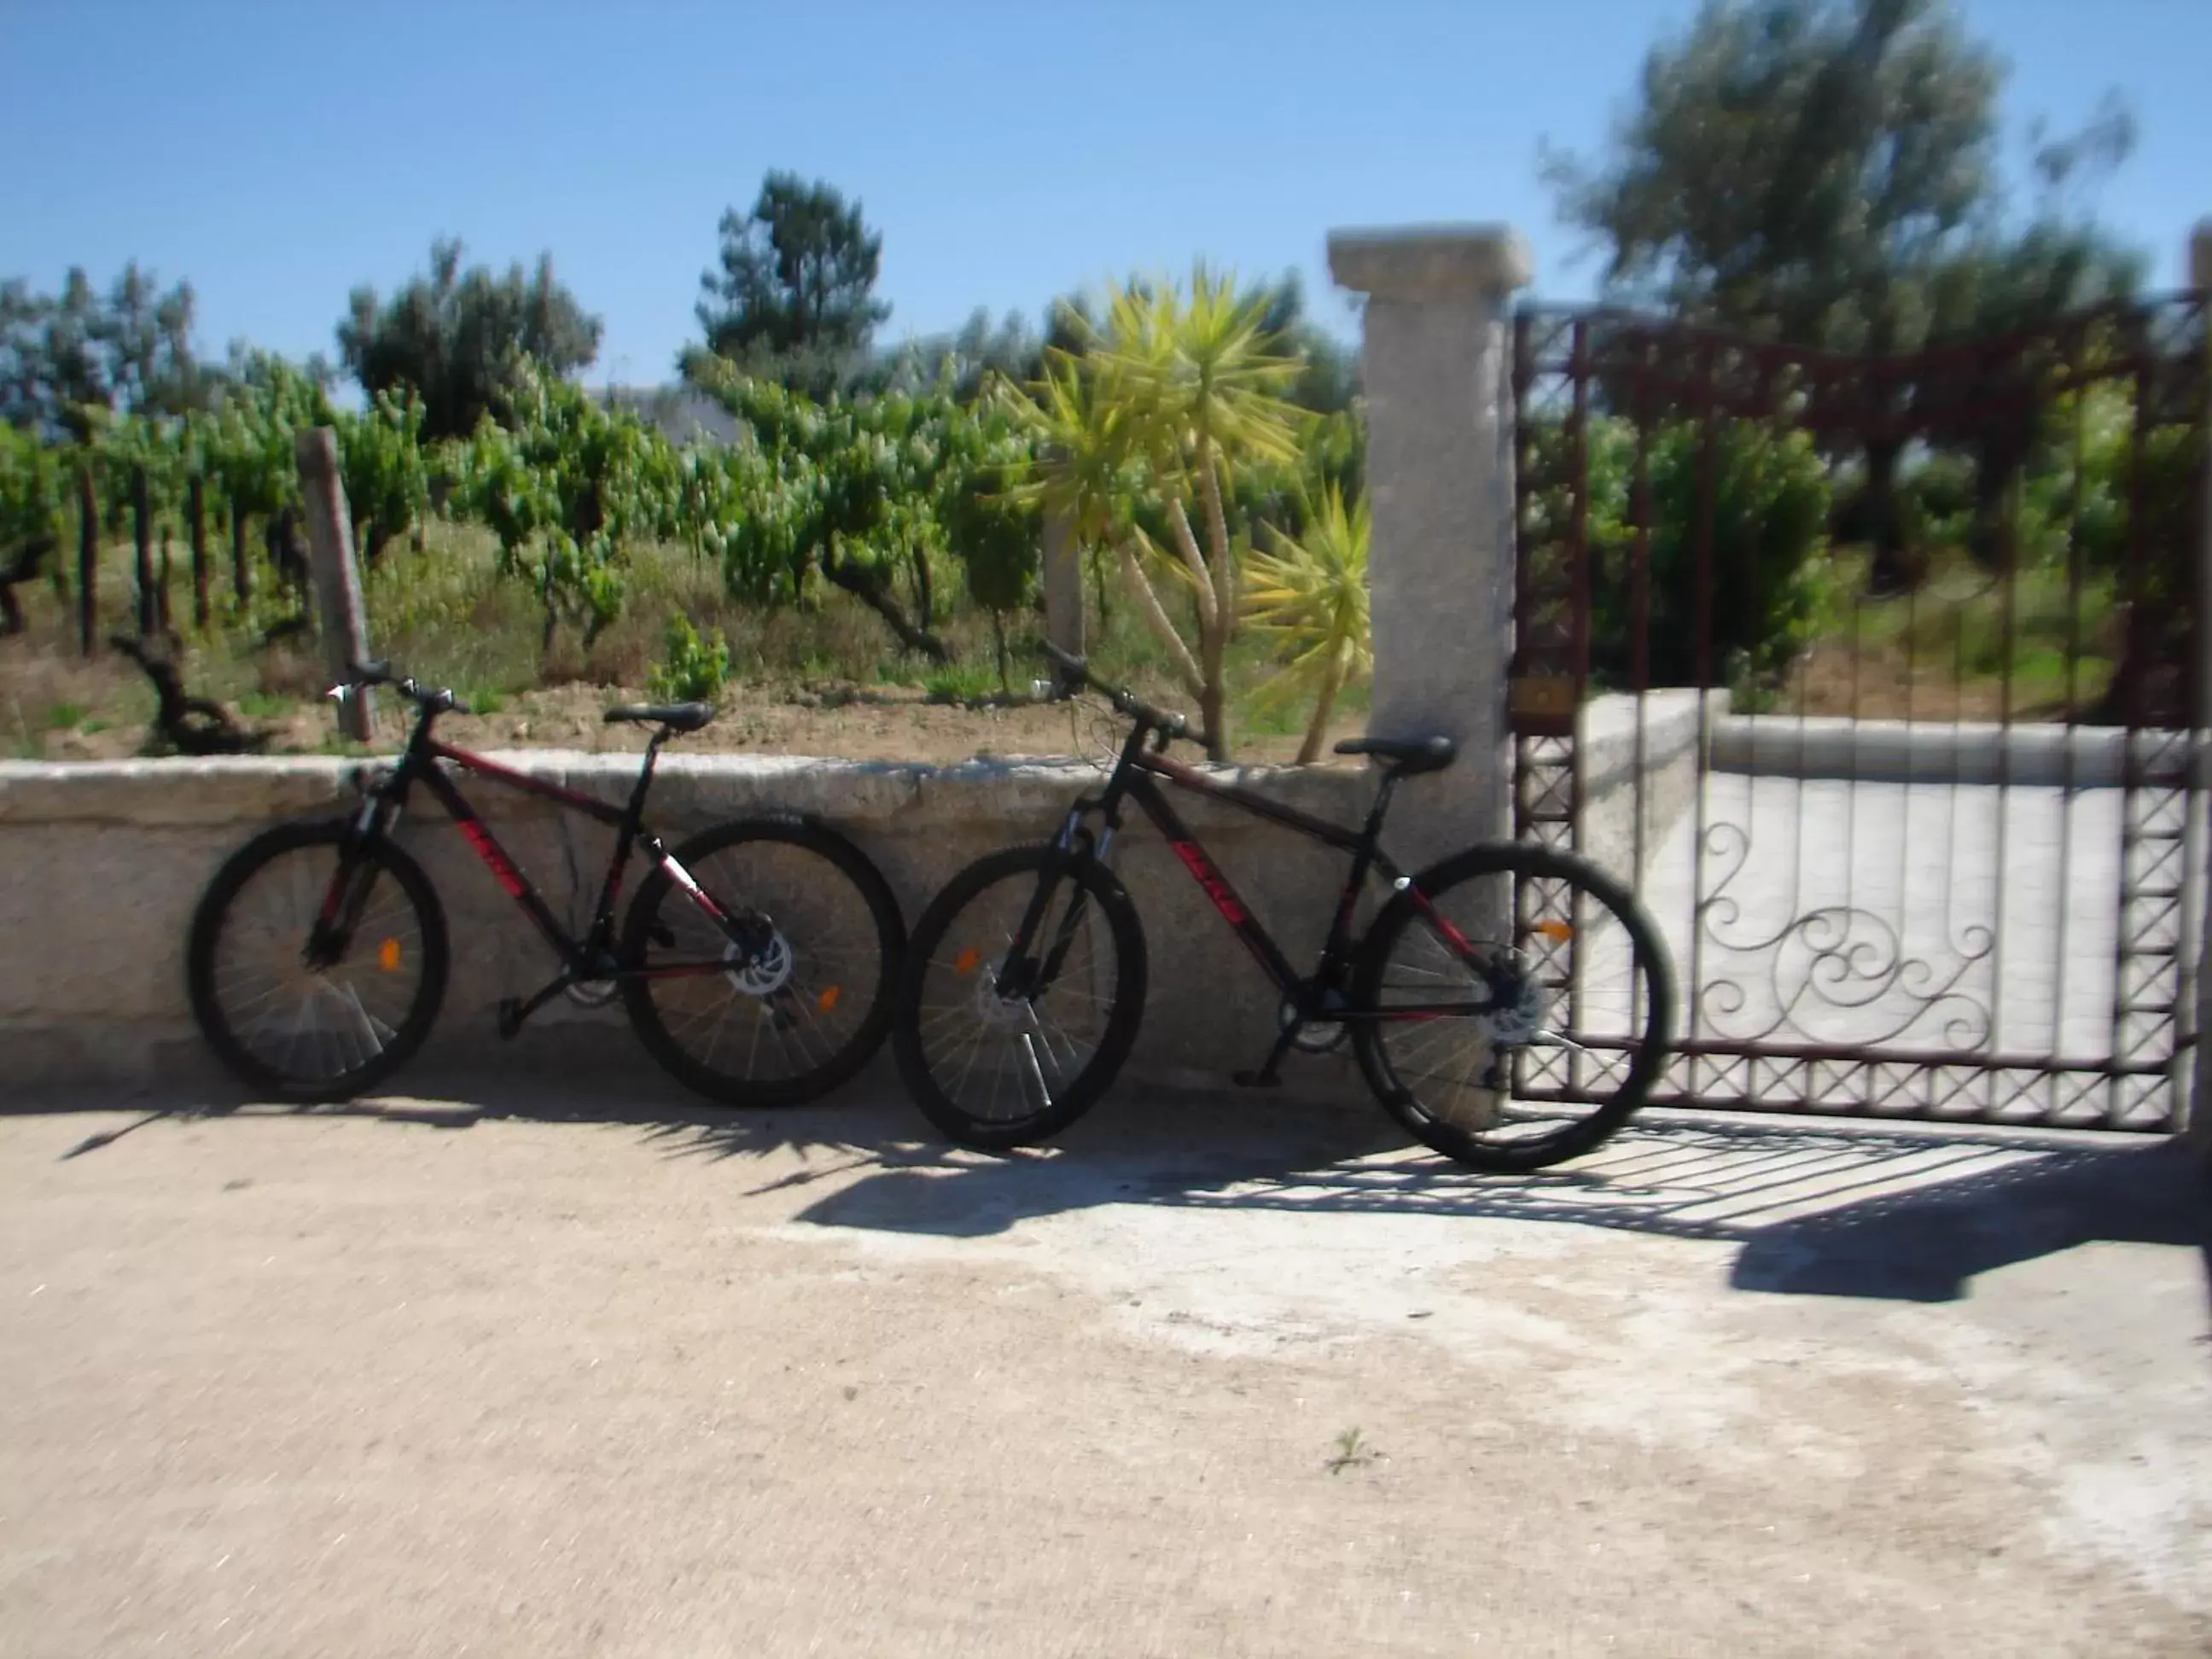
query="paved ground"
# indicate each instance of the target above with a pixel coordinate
(531, 1375)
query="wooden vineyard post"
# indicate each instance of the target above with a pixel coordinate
(242, 578)
(161, 582)
(141, 531)
(196, 527)
(336, 580)
(87, 564)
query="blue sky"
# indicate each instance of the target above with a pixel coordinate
(277, 152)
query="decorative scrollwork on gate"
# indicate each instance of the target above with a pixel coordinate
(1835, 976)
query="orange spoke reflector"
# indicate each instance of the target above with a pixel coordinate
(387, 956)
(1558, 931)
(828, 1000)
(966, 961)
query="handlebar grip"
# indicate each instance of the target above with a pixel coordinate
(375, 672)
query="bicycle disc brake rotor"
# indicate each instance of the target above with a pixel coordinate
(767, 971)
(997, 1008)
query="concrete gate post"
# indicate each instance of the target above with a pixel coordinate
(1436, 358)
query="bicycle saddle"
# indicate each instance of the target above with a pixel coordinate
(676, 716)
(1410, 755)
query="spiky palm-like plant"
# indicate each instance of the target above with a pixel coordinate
(1311, 594)
(1202, 386)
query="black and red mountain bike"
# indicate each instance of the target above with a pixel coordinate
(1509, 1005)
(756, 963)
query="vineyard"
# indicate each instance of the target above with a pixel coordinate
(882, 552)
(882, 548)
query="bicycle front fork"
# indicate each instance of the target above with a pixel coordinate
(1024, 975)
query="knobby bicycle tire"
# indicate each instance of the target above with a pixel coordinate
(213, 916)
(841, 860)
(1648, 1052)
(1097, 887)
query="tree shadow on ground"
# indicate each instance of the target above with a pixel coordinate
(1889, 1211)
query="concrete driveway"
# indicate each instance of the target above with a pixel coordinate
(532, 1372)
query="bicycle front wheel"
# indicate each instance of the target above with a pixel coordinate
(1003, 1048)
(1513, 1007)
(301, 1028)
(800, 1012)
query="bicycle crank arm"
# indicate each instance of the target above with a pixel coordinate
(513, 1011)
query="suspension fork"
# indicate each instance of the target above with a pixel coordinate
(1024, 973)
(347, 894)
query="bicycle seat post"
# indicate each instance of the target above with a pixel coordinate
(1380, 808)
(644, 784)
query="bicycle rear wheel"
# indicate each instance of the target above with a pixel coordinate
(1514, 1007)
(788, 1023)
(308, 1032)
(1001, 1052)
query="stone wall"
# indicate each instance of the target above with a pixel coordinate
(2026, 754)
(103, 864)
(1620, 737)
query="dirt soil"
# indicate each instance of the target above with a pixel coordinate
(849, 722)
(531, 1372)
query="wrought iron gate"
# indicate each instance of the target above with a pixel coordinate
(1883, 679)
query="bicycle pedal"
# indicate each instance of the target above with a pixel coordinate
(510, 1017)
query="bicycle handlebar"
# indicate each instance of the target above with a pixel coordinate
(1074, 674)
(431, 700)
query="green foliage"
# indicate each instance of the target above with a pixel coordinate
(66, 354)
(993, 528)
(34, 488)
(794, 301)
(458, 339)
(566, 485)
(1310, 598)
(868, 496)
(692, 670)
(1191, 385)
(1827, 172)
(126, 448)
(386, 475)
(961, 682)
(247, 445)
(1769, 583)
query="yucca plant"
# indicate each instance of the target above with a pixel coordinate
(1311, 595)
(1084, 474)
(1196, 385)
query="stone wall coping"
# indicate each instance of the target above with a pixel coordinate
(1430, 262)
(237, 789)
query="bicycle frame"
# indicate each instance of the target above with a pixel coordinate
(588, 958)
(1133, 778)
